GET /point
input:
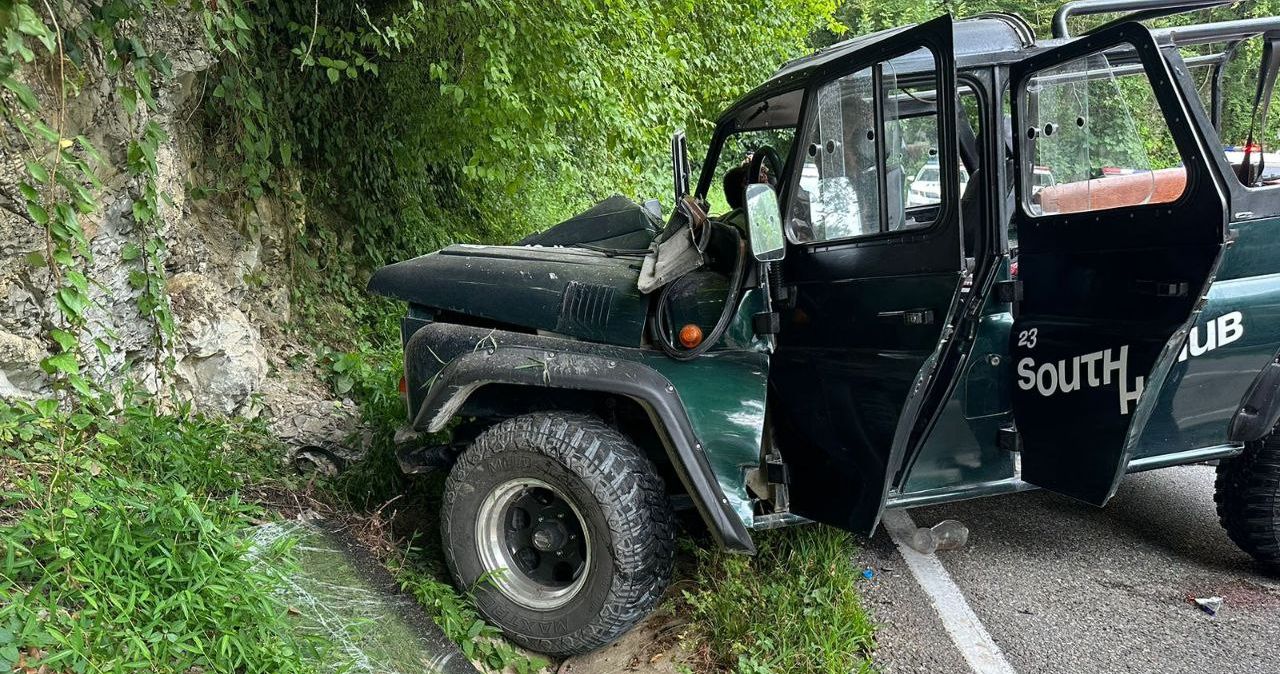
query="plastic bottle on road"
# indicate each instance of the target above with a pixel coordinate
(945, 535)
(950, 534)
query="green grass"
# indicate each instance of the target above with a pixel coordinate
(420, 574)
(792, 608)
(122, 546)
(123, 539)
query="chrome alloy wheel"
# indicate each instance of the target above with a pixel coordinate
(533, 543)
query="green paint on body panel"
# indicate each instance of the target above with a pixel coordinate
(725, 391)
(1235, 336)
(962, 449)
(724, 394)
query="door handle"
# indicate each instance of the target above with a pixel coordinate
(909, 316)
(1163, 288)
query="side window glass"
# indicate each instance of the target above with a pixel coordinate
(871, 134)
(924, 184)
(911, 146)
(1096, 139)
(839, 193)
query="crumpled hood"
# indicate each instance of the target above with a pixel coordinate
(616, 222)
(568, 291)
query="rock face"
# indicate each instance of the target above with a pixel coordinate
(221, 361)
(303, 419)
(225, 261)
(20, 372)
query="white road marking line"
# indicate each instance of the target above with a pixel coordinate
(961, 623)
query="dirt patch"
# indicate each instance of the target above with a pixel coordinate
(653, 647)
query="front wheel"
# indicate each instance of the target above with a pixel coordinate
(1248, 497)
(562, 527)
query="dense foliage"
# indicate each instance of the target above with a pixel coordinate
(396, 126)
(421, 124)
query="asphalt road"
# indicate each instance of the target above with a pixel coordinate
(1065, 587)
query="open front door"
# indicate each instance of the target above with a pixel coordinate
(1120, 223)
(875, 267)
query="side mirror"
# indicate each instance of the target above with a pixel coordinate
(764, 221)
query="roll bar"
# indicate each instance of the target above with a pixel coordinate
(1222, 31)
(1137, 10)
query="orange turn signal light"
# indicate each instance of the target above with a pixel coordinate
(690, 336)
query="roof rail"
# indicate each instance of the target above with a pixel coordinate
(1139, 10)
(1222, 31)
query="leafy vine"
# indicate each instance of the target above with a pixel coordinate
(65, 41)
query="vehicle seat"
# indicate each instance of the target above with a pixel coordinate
(972, 205)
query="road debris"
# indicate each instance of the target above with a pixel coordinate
(945, 535)
(1209, 605)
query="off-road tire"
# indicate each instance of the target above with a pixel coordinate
(621, 501)
(1248, 497)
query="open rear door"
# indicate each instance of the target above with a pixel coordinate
(1120, 223)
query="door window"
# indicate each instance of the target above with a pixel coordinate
(1095, 139)
(870, 134)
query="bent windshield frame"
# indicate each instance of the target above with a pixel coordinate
(730, 125)
(736, 148)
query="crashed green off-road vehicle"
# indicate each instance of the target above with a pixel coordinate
(844, 340)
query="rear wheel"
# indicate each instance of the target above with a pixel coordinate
(1248, 497)
(563, 528)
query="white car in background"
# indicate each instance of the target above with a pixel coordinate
(1270, 162)
(1042, 177)
(925, 189)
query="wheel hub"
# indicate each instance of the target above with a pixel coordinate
(532, 541)
(549, 537)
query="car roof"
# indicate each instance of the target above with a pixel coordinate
(987, 38)
(982, 35)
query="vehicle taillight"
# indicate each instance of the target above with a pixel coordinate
(404, 386)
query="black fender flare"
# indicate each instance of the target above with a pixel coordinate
(548, 368)
(1259, 409)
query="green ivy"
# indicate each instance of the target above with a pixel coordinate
(54, 189)
(63, 41)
